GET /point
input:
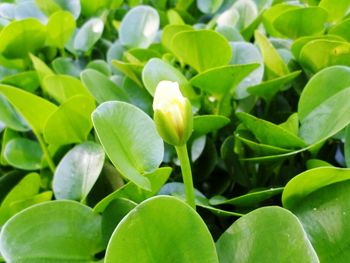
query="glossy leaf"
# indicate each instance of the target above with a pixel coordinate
(198, 49)
(336, 11)
(139, 27)
(161, 215)
(273, 61)
(126, 146)
(169, 33)
(90, 32)
(27, 80)
(34, 110)
(324, 215)
(278, 236)
(228, 76)
(301, 22)
(64, 87)
(322, 111)
(78, 171)
(60, 28)
(24, 154)
(269, 133)
(336, 53)
(157, 70)
(29, 31)
(301, 186)
(26, 188)
(101, 87)
(71, 123)
(341, 29)
(208, 6)
(205, 124)
(9, 117)
(51, 6)
(79, 238)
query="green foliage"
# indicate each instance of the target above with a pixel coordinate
(85, 175)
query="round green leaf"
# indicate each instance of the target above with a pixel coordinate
(19, 38)
(57, 231)
(325, 216)
(268, 234)
(323, 111)
(139, 27)
(341, 29)
(301, 22)
(336, 10)
(130, 139)
(51, 6)
(169, 227)
(157, 70)
(335, 53)
(202, 49)
(24, 154)
(27, 80)
(71, 123)
(78, 171)
(304, 184)
(101, 87)
(170, 31)
(205, 124)
(88, 34)
(60, 28)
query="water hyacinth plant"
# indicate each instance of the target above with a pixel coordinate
(174, 131)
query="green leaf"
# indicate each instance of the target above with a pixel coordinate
(139, 27)
(41, 68)
(133, 71)
(26, 188)
(71, 122)
(157, 70)
(19, 38)
(205, 124)
(199, 49)
(209, 6)
(270, 88)
(24, 154)
(87, 36)
(228, 76)
(323, 111)
(269, 133)
(304, 184)
(10, 117)
(66, 66)
(133, 192)
(250, 199)
(300, 22)
(101, 87)
(60, 28)
(335, 53)
(268, 234)
(78, 239)
(78, 171)
(341, 29)
(34, 109)
(273, 61)
(325, 216)
(64, 87)
(113, 214)
(27, 80)
(336, 10)
(170, 31)
(347, 146)
(184, 228)
(130, 140)
(51, 6)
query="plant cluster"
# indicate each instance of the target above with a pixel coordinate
(184, 131)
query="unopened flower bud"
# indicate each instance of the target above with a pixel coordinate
(172, 113)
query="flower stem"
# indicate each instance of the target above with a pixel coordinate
(46, 153)
(186, 174)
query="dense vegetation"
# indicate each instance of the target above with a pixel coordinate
(109, 109)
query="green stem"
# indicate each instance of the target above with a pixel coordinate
(186, 174)
(45, 152)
